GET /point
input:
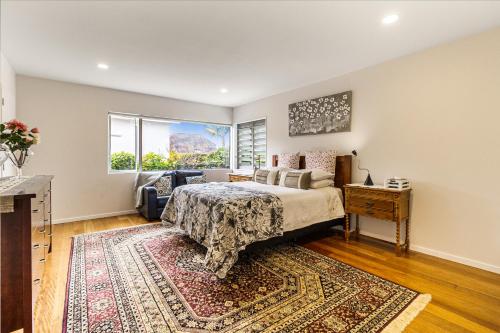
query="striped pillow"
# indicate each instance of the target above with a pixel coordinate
(265, 176)
(295, 179)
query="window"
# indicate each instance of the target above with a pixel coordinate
(148, 144)
(122, 142)
(251, 138)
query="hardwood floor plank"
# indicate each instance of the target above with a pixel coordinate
(465, 299)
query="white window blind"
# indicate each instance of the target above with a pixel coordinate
(251, 144)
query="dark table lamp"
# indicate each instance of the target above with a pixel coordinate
(368, 180)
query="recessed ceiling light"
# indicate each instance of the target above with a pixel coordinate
(223, 90)
(390, 19)
(102, 66)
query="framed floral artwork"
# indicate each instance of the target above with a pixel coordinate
(328, 114)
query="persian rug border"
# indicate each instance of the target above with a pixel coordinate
(400, 319)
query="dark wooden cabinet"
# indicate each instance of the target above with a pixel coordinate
(26, 241)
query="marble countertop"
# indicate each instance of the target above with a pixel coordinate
(32, 185)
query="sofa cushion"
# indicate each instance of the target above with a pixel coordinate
(196, 179)
(164, 185)
(180, 176)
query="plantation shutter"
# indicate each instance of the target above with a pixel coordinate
(251, 144)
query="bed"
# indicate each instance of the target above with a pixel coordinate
(228, 217)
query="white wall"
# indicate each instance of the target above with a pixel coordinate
(8, 84)
(432, 117)
(74, 141)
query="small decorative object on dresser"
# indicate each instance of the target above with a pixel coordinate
(397, 183)
(382, 203)
(239, 177)
(26, 242)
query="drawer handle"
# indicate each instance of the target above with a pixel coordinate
(36, 281)
(34, 211)
(41, 201)
(42, 231)
(370, 204)
(36, 246)
(46, 245)
(42, 261)
(46, 220)
(50, 235)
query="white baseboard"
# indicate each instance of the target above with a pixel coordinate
(94, 216)
(440, 254)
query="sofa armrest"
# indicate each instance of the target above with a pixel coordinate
(150, 202)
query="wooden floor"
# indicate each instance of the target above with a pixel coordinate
(464, 299)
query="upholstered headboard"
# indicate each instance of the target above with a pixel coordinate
(342, 169)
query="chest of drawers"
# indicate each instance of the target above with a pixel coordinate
(381, 203)
(26, 242)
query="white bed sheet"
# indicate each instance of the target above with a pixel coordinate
(302, 208)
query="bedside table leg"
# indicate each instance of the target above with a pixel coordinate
(398, 231)
(407, 236)
(357, 226)
(346, 228)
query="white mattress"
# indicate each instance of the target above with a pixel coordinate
(302, 208)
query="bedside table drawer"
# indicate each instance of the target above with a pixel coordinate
(373, 212)
(364, 202)
(370, 194)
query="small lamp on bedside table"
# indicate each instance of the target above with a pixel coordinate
(368, 180)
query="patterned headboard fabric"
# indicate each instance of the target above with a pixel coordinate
(342, 169)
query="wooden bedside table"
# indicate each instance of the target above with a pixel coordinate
(381, 203)
(238, 177)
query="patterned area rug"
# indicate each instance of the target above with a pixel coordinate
(152, 279)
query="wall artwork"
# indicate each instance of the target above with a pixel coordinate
(328, 114)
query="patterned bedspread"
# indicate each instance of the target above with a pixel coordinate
(225, 218)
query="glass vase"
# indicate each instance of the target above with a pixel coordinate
(19, 171)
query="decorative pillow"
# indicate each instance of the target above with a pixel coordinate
(323, 160)
(296, 179)
(196, 179)
(321, 183)
(288, 160)
(266, 176)
(318, 174)
(163, 186)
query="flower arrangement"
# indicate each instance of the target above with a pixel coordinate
(16, 140)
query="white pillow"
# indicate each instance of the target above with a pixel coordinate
(321, 183)
(318, 174)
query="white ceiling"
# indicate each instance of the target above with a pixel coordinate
(190, 50)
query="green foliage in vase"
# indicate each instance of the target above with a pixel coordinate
(16, 136)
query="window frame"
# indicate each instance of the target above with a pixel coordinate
(236, 149)
(138, 138)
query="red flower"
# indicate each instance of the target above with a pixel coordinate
(15, 124)
(35, 130)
